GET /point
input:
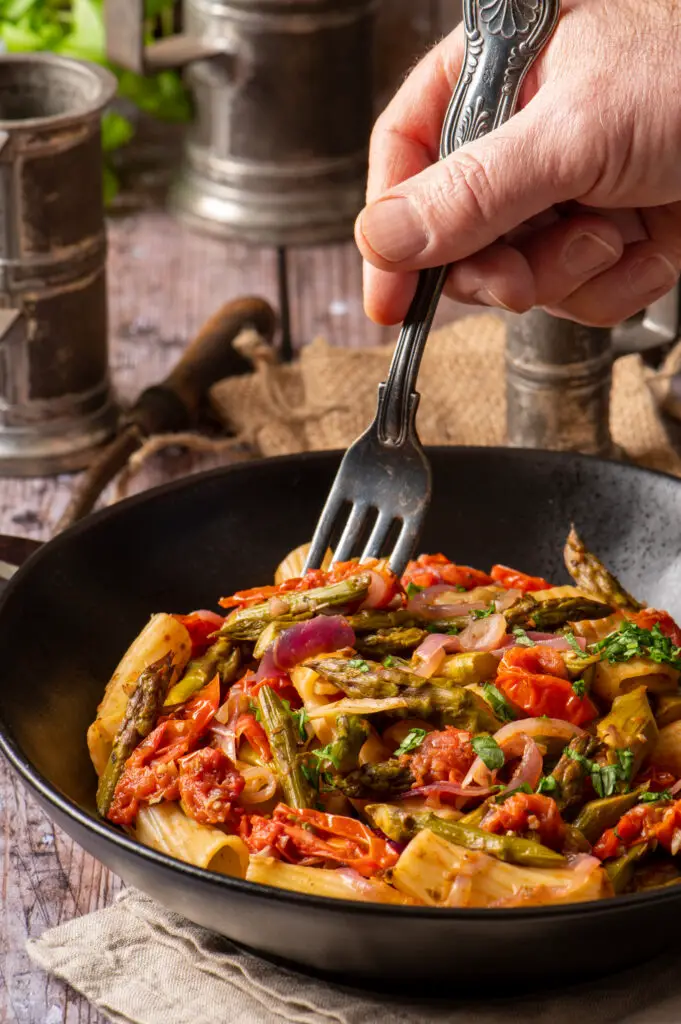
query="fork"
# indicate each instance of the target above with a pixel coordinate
(386, 474)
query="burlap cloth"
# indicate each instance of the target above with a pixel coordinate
(140, 964)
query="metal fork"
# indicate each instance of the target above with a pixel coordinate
(385, 473)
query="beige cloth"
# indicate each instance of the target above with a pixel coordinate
(140, 964)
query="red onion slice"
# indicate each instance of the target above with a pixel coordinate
(447, 792)
(675, 788)
(530, 768)
(379, 593)
(511, 738)
(504, 602)
(321, 635)
(483, 634)
(268, 668)
(559, 643)
(424, 606)
(431, 653)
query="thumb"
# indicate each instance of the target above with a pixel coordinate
(488, 187)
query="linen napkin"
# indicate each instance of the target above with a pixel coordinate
(141, 964)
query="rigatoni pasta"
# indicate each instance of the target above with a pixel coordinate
(453, 738)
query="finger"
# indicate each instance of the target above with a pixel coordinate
(563, 257)
(466, 202)
(498, 276)
(406, 136)
(644, 274)
(387, 297)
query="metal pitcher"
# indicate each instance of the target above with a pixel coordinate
(55, 399)
(283, 90)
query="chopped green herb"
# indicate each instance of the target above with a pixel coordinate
(489, 751)
(361, 666)
(521, 638)
(311, 772)
(410, 742)
(412, 590)
(632, 641)
(579, 686)
(388, 662)
(500, 706)
(524, 787)
(327, 753)
(652, 798)
(574, 644)
(484, 613)
(462, 590)
(547, 784)
(254, 708)
(626, 759)
(300, 717)
(605, 777)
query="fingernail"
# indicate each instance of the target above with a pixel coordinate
(587, 253)
(485, 297)
(393, 229)
(652, 274)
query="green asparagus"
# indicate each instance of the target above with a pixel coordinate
(373, 620)
(352, 733)
(630, 725)
(590, 575)
(142, 710)
(222, 657)
(620, 871)
(530, 612)
(572, 770)
(380, 781)
(248, 623)
(387, 641)
(281, 733)
(597, 815)
(400, 826)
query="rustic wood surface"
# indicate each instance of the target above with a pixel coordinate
(163, 282)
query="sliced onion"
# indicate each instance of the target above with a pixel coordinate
(530, 768)
(268, 668)
(379, 591)
(483, 634)
(675, 788)
(510, 737)
(504, 602)
(261, 785)
(369, 890)
(431, 653)
(359, 706)
(449, 792)
(224, 723)
(321, 635)
(277, 607)
(423, 604)
(559, 643)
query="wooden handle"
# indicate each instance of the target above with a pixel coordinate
(174, 404)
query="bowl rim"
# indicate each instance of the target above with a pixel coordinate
(49, 794)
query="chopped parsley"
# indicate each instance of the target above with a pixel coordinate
(500, 706)
(360, 665)
(254, 708)
(310, 771)
(575, 643)
(327, 753)
(605, 777)
(388, 662)
(442, 627)
(524, 787)
(412, 589)
(652, 798)
(411, 741)
(548, 784)
(300, 717)
(579, 686)
(632, 641)
(489, 751)
(462, 590)
(484, 613)
(521, 637)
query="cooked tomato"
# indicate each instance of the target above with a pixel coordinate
(443, 757)
(657, 779)
(429, 570)
(200, 626)
(151, 771)
(247, 725)
(512, 579)
(658, 822)
(209, 787)
(281, 685)
(313, 837)
(528, 812)
(310, 581)
(535, 679)
(649, 617)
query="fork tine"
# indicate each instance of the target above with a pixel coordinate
(351, 532)
(378, 536)
(322, 534)
(404, 547)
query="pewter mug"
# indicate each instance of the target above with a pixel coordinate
(283, 94)
(55, 399)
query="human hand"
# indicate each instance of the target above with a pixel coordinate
(573, 205)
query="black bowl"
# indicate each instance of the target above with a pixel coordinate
(70, 612)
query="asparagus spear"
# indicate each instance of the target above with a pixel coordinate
(380, 781)
(436, 700)
(248, 623)
(281, 734)
(387, 641)
(590, 574)
(400, 826)
(571, 771)
(630, 724)
(220, 657)
(597, 815)
(371, 620)
(352, 733)
(621, 870)
(142, 710)
(530, 612)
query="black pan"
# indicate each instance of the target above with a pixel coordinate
(70, 612)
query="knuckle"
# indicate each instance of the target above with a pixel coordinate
(466, 187)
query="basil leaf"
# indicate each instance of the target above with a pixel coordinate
(521, 638)
(411, 741)
(489, 751)
(579, 686)
(500, 706)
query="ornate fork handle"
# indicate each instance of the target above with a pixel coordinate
(503, 39)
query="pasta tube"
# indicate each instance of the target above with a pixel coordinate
(338, 885)
(612, 680)
(162, 635)
(166, 828)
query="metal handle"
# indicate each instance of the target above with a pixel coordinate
(124, 28)
(503, 38)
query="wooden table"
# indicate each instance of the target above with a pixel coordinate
(163, 282)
